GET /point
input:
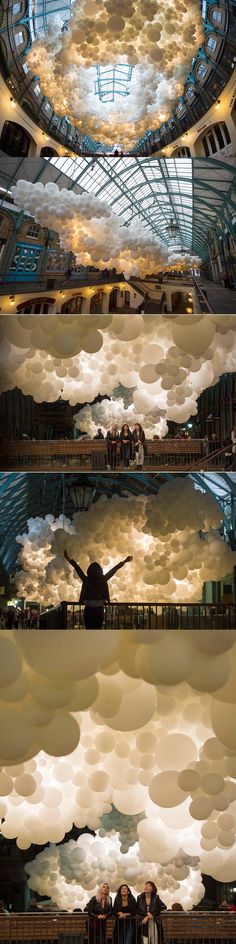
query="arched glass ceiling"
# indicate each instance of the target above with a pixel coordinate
(41, 13)
(199, 196)
(23, 495)
(113, 81)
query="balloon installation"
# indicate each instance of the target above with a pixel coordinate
(132, 734)
(157, 42)
(88, 226)
(172, 537)
(153, 368)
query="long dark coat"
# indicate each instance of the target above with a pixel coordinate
(155, 908)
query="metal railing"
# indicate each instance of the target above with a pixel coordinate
(218, 458)
(33, 282)
(204, 304)
(144, 616)
(63, 928)
(86, 454)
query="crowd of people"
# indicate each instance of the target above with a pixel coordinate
(15, 617)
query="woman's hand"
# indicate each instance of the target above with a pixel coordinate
(145, 920)
(128, 559)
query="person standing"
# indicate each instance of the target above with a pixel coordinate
(99, 908)
(112, 443)
(94, 591)
(149, 907)
(126, 445)
(139, 445)
(125, 910)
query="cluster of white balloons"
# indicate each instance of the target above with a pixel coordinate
(159, 41)
(108, 728)
(100, 414)
(164, 363)
(88, 227)
(71, 873)
(171, 559)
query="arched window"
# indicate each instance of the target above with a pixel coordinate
(190, 93)
(72, 305)
(35, 306)
(15, 140)
(212, 43)
(33, 230)
(216, 139)
(182, 152)
(216, 16)
(96, 303)
(48, 152)
(201, 70)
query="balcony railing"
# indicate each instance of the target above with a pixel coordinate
(86, 455)
(217, 459)
(144, 616)
(178, 927)
(204, 305)
(21, 282)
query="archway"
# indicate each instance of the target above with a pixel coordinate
(48, 152)
(72, 305)
(35, 306)
(15, 140)
(96, 303)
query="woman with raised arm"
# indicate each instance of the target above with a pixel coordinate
(94, 591)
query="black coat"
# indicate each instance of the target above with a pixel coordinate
(124, 925)
(97, 927)
(155, 908)
(113, 438)
(94, 907)
(139, 437)
(126, 441)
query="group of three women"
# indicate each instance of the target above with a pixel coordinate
(135, 920)
(132, 445)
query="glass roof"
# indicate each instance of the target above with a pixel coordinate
(23, 495)
(191, 198)
(43, 11)
(198, 195)
(112, 81)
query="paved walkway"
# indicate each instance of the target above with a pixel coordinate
(222, 300)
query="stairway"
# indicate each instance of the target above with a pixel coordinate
(153, 306)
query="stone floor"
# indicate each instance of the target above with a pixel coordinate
(221, 300)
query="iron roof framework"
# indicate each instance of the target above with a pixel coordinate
(198, 195)
(23, 495)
